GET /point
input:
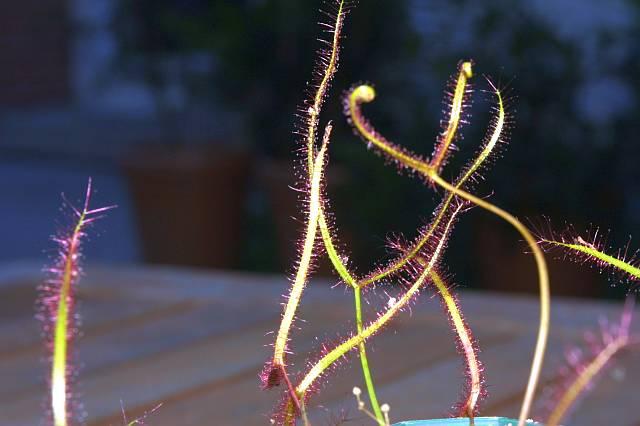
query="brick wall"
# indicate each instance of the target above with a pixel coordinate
(34, 52)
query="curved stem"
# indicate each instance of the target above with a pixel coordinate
(543, 282)
(365, 362)
(363, 94)
(367, 94)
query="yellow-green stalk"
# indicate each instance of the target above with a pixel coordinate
(589, 252)
(275, 369)
(59, 363)
(305, 257)
(543, 285)
(475, 386)
(330, 60)
(455, 116)
(57, 302)
(348, 278)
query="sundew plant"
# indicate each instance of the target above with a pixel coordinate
(57, 312)
(417, 264)
(60, 320)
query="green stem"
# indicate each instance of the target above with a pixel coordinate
(61, 335)
(365, 362)
(346, 276)
(543, 283)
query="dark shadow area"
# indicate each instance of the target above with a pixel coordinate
(184, 113)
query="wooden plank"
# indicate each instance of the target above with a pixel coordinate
(150, 378)
(20, 337)
(193, 407)
(430, 392)
(194, 340)
(20, 332)
(608, 403)
(507, 368)
(106, 302)
(157, 377)
(180, 324)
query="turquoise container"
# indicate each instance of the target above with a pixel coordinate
(464, 421)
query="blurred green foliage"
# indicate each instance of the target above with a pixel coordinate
(569, 69)
(264, 51)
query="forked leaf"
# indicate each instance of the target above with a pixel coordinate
(274, 371)
(365, 94)
(319, 368)
(457, 101)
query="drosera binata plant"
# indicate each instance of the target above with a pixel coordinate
(59, 319)
(584, 365)
(57, 310)
(418, 264)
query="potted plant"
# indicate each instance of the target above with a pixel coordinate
(417, 264)
(189, 184)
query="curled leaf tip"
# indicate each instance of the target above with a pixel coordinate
(364, 93)
(466, 68)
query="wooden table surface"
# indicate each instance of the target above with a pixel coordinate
(195, 341)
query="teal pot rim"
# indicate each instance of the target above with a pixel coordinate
(464, 421)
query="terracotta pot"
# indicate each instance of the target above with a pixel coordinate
(189, 203)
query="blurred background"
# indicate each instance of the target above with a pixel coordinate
(183, 112)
